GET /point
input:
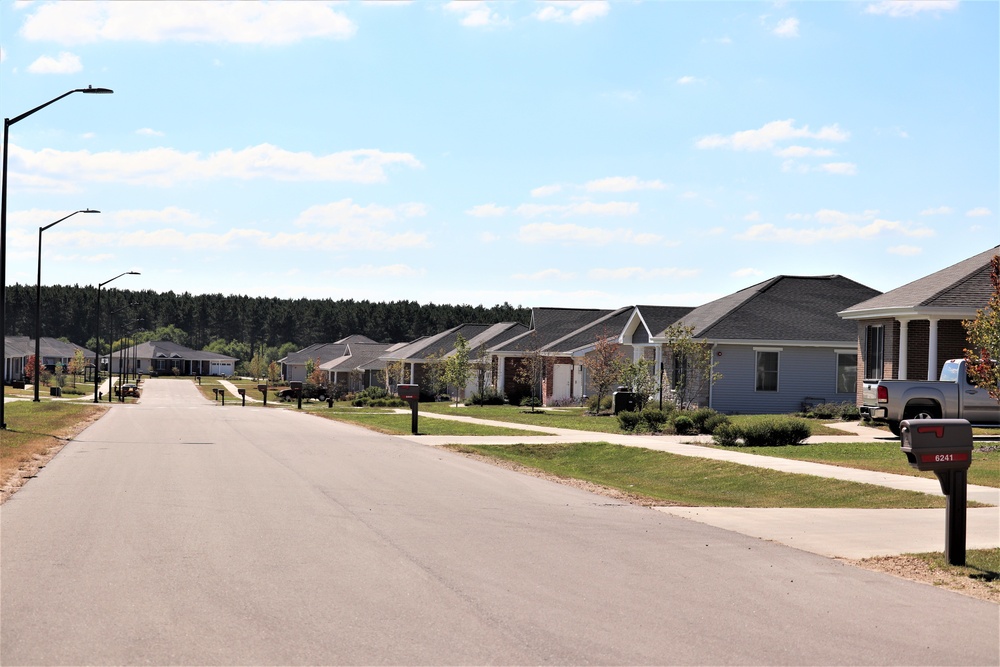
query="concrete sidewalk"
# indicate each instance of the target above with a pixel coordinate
(846, 533)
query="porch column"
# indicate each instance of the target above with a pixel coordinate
(932, 351)
(413, 372)
(500, 374)
(904, 345)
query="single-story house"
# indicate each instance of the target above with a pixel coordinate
(163, 357)
(778, 344)
(293, 366)
(909, 332)
(479, 337)
(359, 367)
(18, 349)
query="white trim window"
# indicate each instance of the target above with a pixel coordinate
(874, 351)
(766, 375)
(847, 371)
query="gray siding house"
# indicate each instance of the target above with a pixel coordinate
(780, 344)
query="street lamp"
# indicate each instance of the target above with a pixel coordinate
(97, 352)
(38, 301)
(7, 122)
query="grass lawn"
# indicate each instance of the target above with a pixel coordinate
(982, 564)
(682, 480)
(385, 421)
(35, 428)
(878, 456)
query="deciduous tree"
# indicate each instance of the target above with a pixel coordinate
(457, 368)
(604, 367)
(983, 336)
(689, 367)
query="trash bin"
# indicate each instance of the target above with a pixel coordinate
(623, 401)
(55, 391)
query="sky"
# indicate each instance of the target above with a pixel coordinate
(563, 154)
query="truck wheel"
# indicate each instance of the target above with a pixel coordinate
(894, 428)
(921, 412)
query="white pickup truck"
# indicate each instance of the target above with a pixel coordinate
(951, 397)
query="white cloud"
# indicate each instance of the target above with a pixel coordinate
(573, 11)
(629, 96)
(746, 273)
(546, 274)
(842, 168)
(905, 250)
(546, 190)
(370, 271)
(769, 135)
(549, 232)
(165, 167)
(487, 211)
(804, 151)
(619, 208)
(787, 28)
(979, 212)
(228, 22)
(3, 54)
(488, 237)
(940, 210)
(149, 132)
(476, 13)
(345, 213)
(66, 63)
(623, 184)
(901, 8)
(835, 226)
(638, 273)
(688, 80)
(753, 216)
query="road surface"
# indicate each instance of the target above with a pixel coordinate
(179, 532)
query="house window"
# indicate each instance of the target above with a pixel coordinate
(874, 348)
(847, 372)
(680, 371)
(767, 370)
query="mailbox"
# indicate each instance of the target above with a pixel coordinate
(262, 387)
(297, 386)
(937, 444)
(241, 392)
(408, 392)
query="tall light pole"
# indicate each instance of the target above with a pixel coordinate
(97, 352)
(7, 122)
(37, 371)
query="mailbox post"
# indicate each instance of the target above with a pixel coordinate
(243, 395)
(944, 447)
(411, 394)
(297, 388)
(262, 388)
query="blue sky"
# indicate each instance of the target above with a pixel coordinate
(594, 154)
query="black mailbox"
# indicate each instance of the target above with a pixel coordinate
(241, 392)
(408, 392)
(262, 388)
(937, 444)
(295, 385)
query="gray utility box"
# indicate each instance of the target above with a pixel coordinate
(623, 401)
(408, 392)
(937, 444)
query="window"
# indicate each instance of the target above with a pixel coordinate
(677, 381)
(767, 370)
(874, 347)
(847, 372)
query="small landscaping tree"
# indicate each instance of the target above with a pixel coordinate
(604, 367)
(529, 372)
(77, 364)
(31, 369)
(457, 368)
(433, 374)
(256, 367)
(982, 357)
(690, 369)
(273, 373)
(395, 373)
(640, 379)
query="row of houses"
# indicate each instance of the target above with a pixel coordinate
(775, 345)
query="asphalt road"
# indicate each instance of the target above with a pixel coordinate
(179, 532)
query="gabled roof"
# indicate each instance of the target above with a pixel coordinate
(964, 288)
(22, 346)
(784, 308)
(360, 356)
(549, 325)
(606, 326)
(323, 351)
(658, 318)
(443, 344)
(165, 349)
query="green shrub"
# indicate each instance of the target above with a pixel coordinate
(683, 425)
(653, 419)
(372, 392)
(489, 396)
(700, 416)
(606, 404)
(726, 434)
(531, 402)
(770, 432)
(629, 421)
(712, 424)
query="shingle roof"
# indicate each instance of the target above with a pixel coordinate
(323, 351)
(22, 346)
(658, 318)
(165, 349)
(791, 308)
(363, 356)
(965, 286)
(549, 325)
(606, 326)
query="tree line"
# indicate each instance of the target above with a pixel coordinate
(203, 320)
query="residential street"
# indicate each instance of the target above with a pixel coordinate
(178, 532)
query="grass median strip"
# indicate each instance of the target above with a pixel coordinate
(401, 424)
(880, 457)
(684, 480)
